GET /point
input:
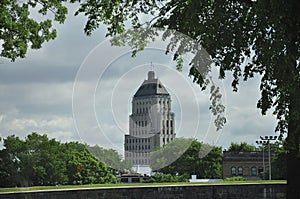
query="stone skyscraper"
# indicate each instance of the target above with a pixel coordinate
(151, 123)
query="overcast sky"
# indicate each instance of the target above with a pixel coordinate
(78, 88)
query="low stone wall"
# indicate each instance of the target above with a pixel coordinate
(217, 191)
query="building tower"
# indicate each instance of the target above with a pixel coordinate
(151, 123)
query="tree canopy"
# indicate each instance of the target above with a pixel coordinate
(19, 30)
(111, 158)
(189, 161)
(243, 146)
(38, 160)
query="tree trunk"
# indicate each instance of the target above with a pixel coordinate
(293, 82)
(293, 156)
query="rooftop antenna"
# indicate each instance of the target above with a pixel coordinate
(152, 66)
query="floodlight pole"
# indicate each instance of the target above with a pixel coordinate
(267, 139)
(263, 156)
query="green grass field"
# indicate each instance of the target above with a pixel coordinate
(90, 186)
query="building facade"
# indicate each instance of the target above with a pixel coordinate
(248, 164)
(151, 123)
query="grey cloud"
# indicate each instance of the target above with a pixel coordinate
(35, 72)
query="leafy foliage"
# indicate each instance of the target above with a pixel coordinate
(110, 157)
(279, 166)
(235, 178)
(18, 30)
(207, 166)
(243, 146)
(40, 161)
(160, 178)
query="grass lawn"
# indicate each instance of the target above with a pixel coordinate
(40, 188)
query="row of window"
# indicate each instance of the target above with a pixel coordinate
(141, 123)
(139, 109)
(137, 147)
(239, 171)
(140, 132)
(163, 102)
(146, 110)
(143, 102)
(149, 102)
(139, 140)
(167, 131)
(141, 161)
(164, 140)
(166, 123)
(142, 110)
(144, 131)
(137, 154)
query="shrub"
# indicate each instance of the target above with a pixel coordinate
(236, 178)
(160, 178)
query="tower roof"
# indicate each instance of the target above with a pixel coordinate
(151, 86)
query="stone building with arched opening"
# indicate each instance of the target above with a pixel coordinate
(248, 164)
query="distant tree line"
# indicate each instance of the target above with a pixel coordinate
(112, 158)
(205, 160)
(200, 159)
(38, 160)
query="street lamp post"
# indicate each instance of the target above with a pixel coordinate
(263, 156)
(267, 139)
